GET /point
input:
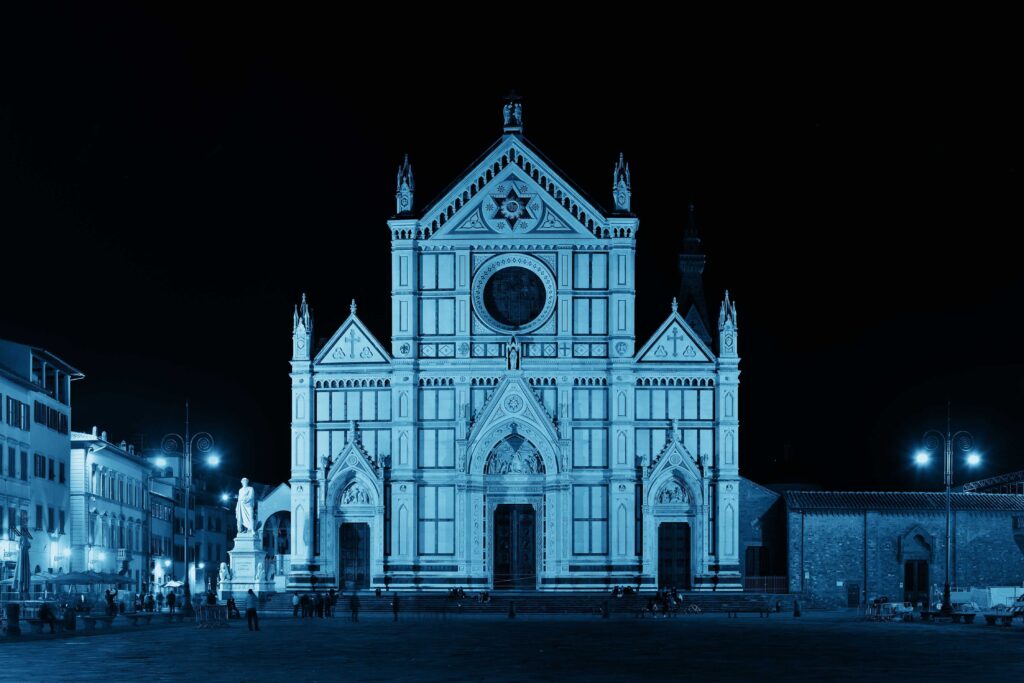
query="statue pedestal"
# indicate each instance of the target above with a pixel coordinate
(245, 558)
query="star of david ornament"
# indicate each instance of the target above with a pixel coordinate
(512, 207)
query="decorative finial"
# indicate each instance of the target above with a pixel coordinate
(622, 188)
(303, 314)
(352, 307)
(512, 113)
(675, 305)
(404, 187)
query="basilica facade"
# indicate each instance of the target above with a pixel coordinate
(513, 432)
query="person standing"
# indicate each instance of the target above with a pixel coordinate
(353, 606)
(251, 617)
(172, 599)
(295, 605)
(394, 606)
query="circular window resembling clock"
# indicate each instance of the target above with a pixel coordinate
(514, 293)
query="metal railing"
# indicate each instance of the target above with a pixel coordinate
(766, 584)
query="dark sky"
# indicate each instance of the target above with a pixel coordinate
(172, 183)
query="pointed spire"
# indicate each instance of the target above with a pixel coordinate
(691, 288)
(622, 187)
(727, 313)
(691, 235)
(352, 307)
(303, 314)
(404, 187)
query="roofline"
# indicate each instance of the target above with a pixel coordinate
(562, 175)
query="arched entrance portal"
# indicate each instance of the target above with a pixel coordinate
(514, 472)
(674, 555)
(354, 555)
(515, 547)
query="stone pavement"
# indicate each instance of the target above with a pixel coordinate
(425, 648)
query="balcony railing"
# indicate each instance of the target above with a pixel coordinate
(124, 554)
(766, 584)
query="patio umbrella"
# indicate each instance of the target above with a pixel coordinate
(116, 579)
(174, 584)
(74, 578)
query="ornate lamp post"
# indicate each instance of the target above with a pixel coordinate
(934, 441)
(173, 444)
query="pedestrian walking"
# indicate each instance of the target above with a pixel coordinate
(251, 617)
(172, 600)
(394, 606)
(296, 604)
(353, 606)
(319, 601)
(304, 604)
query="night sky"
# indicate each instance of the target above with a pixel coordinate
(172, 183)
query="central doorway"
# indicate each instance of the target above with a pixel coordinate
(674, 555)
(515, 547)
(354, 560)
(916, 588)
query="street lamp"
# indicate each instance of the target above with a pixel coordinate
(173, 444)
(934, 441)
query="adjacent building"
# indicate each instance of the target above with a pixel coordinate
(110, 508)
(35, 399)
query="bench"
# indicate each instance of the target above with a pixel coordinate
(37, 625)
(732, 610)
(134, 617)
(92, 619)
(1005, 619)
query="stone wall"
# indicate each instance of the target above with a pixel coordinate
(828, 551)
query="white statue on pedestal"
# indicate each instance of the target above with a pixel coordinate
(245, 513)
(259, 572)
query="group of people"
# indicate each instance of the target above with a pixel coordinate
(666, 601)
(315, 604)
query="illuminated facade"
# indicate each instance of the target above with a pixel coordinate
(513, 433)
(35, 399)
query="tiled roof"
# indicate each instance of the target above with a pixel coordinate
(899, 500)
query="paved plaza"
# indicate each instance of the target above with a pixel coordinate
(816, 647)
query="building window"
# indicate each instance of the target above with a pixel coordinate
(589, 520)
(589, 448)
(61, 522)
(63, 475)
(52, 473)
(437, 271)
(589, 316)
(12, 523)
(50, 519)
(437, 404)
(437, 520)
(346, 406)
(675, 404)
(12, 467)
(24, 465)
(437, 448)
(39, 517)
(437, 316)
(18, 414)
(590, 404)
(590, 271)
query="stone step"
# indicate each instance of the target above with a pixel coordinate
(535, 602)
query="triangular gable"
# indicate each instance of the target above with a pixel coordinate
(675, 455)
(354, 457)
(513, 191)
(675, 342)
(352, 344)
(513, 400)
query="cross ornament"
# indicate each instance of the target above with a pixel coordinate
(674, 338)
(352, 338)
